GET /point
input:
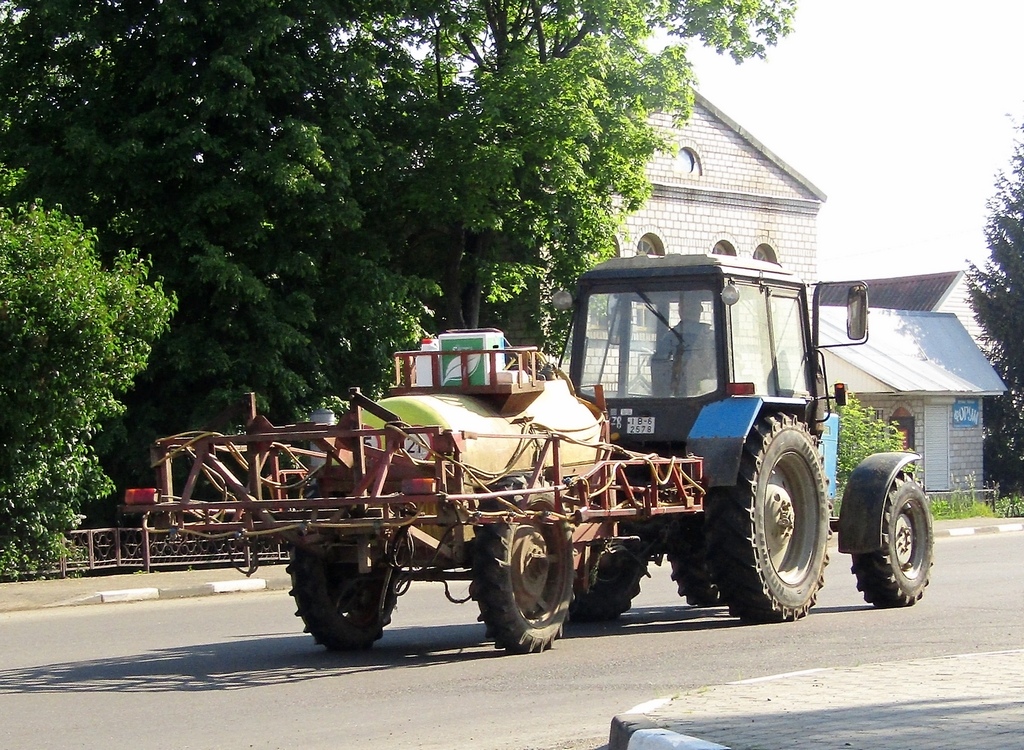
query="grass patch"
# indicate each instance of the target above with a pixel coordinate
(1010, 507)
(946, 509)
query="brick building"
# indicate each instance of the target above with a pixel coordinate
(725, 192)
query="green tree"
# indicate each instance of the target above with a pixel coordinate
(531, 135)
(73, 335)
(861, 434)
(997, 295)
(315, 179)
(227, 142)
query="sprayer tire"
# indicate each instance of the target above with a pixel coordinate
(896, 575)
(768, 534)
(343, 610)
(522, 582)
(616, 584)
(687, 555)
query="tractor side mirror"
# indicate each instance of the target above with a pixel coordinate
(857, 313)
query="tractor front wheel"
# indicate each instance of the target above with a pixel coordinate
(897, 575)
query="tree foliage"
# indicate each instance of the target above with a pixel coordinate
(531, 135)
(861, 434)
(225, 140)
(73, 335)
(997, 295)
(316, 180)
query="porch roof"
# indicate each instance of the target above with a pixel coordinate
(909, 352)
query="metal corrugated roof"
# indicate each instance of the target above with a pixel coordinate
(912, 351)
(925, 292)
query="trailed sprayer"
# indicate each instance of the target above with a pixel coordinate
(685, 423)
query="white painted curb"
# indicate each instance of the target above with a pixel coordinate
(129, 595)
(247, 584)
(663, 739)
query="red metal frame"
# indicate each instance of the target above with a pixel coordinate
(352, 484)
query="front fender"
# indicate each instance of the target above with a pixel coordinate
(718, 436)
(863, 505)
(722, 428)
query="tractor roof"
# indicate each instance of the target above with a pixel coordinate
(663, 267)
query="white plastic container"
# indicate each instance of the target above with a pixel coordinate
(424, 373)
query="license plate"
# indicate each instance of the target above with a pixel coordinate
(640, 426)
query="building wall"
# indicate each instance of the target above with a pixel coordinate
(958, 302)
(738, 192)
(966, 455)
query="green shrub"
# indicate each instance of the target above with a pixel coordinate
(861, 435)
(1010, 507)
(73, 335)
(953, 507)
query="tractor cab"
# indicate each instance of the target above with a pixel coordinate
(661, 337)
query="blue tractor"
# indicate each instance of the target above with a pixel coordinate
(719, 357)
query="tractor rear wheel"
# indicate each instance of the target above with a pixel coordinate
(615, 583)
(522, 582)
(768, 535)
(342, 608)
(897, 575)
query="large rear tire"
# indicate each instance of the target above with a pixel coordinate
(522, 582)
(768, 535)
(616, 582)
(896, 575)
(343, 609)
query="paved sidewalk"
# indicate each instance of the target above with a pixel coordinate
(968, 702)
(138, 586)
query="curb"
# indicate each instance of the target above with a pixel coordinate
(972, 530)
(634, 731)
(180, 592)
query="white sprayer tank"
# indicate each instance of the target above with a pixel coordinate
(554, 410)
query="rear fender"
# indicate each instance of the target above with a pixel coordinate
(721, 430)
(863, 506)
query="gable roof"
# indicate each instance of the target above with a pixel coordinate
(925, 292)
(702, 101)
(910, 351)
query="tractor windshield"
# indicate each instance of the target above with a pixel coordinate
(651, 343)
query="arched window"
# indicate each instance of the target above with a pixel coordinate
(904, 420)
(724, 247)
(650, 244)
(764, 251)
(688, 162)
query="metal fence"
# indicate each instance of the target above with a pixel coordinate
(133, 549)
(964, 497)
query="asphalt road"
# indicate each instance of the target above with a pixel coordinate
(236, 671)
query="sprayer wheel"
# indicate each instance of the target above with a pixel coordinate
(522, 582)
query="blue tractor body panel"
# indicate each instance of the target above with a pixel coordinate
(721, 430)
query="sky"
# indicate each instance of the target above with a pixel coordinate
(902, 112)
